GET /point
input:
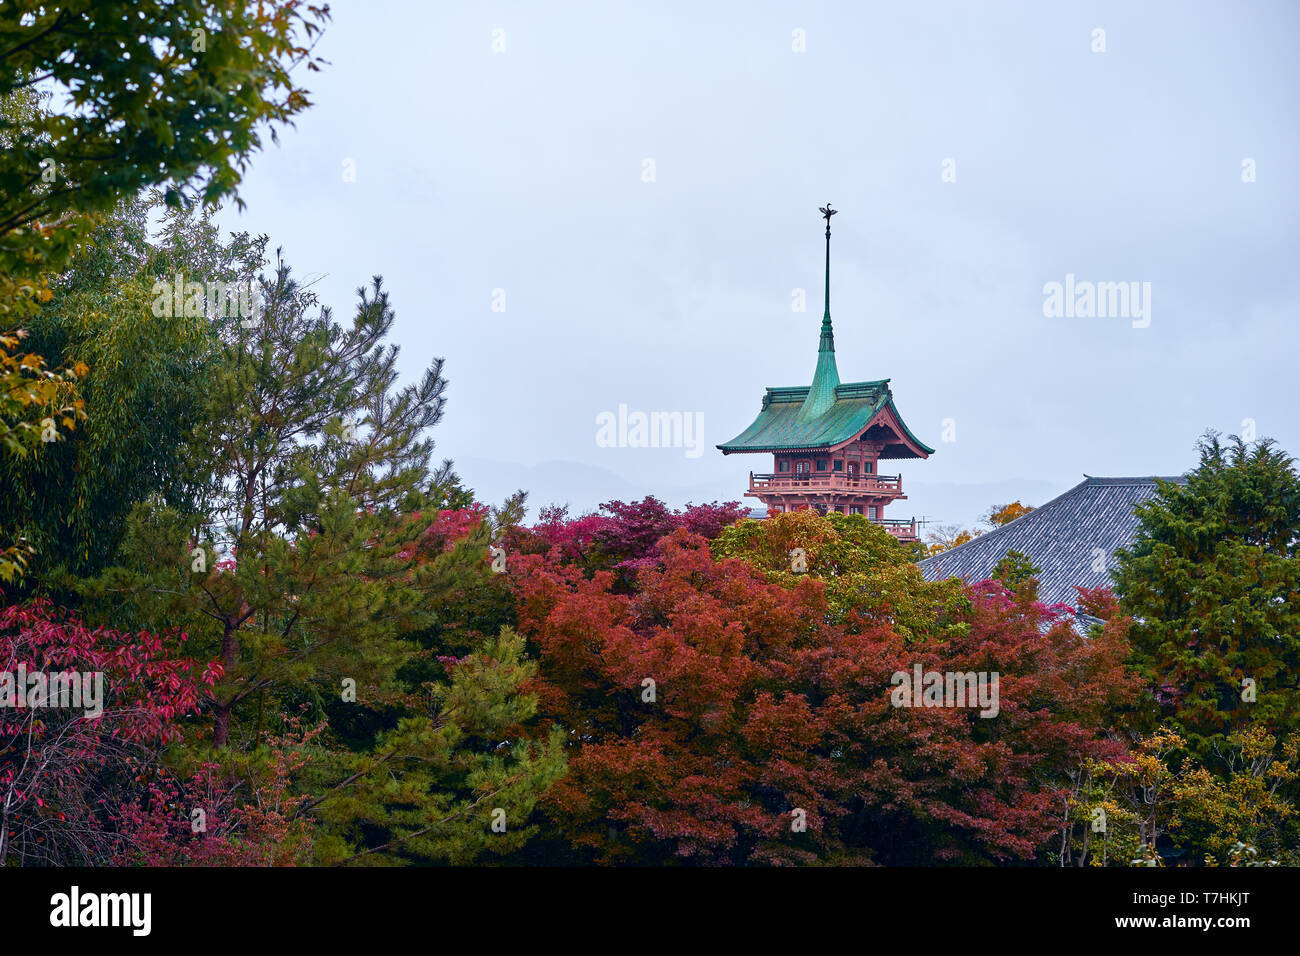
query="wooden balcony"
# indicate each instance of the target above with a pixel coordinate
(902, 528)
(890, 485)
(835, 490)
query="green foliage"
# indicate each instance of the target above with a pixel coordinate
(453, 785)
(1018, 574)
(1162, 800)
(132, 94)
(1248, 800)
(312, 568)
(297, 565)
(35, 400)
(143, 390)
(194, 84)
(256, 485)
(865, 571)
(1213, 584)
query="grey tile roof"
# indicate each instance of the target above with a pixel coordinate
(1060, 537)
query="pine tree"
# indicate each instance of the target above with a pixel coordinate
(454, 785)
(319, 570)
(1213, 584)
(296, 570)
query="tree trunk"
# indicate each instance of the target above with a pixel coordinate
(221, 713)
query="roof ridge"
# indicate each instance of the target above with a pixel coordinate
(1068, 493)
(1133, 480)
(877, 383)
(1063, 538)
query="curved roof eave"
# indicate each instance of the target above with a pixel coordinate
(907, 432)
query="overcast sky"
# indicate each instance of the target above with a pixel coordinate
(525, 170)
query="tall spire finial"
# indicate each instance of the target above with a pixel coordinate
(827, 212)
(826, 377)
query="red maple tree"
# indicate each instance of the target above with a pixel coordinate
(62, 768)
(718, 718)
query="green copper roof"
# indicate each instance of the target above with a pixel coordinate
(784, 423)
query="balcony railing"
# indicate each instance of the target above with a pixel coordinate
(899, 527)
(830, 481)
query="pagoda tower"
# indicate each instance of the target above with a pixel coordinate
(827, 439)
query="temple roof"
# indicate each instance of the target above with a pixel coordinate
(790, 421)
(1061, 538)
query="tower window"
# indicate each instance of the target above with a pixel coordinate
(821, 464)
(783, 465)
(837, 465)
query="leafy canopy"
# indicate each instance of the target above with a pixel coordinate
(1212, 581)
